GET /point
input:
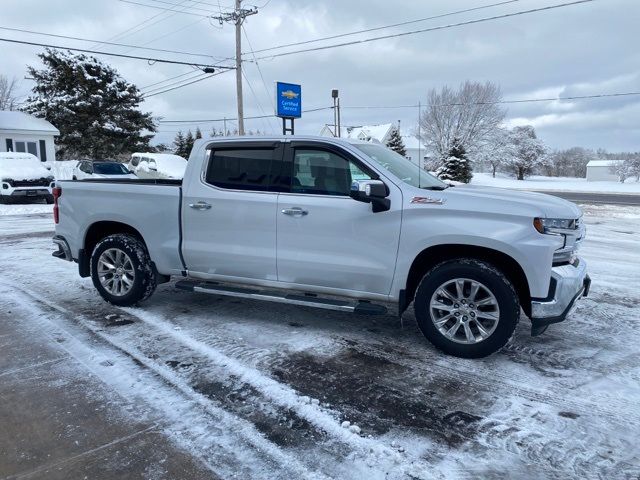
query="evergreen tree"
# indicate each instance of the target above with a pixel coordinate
(198, 133)
(179, 144)
(188, 144)
(396, 144)
(95, 109)
(456, 166)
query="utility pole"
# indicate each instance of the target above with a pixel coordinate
(237, 18)
(336, 112)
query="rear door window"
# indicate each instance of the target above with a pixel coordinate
(241, 168)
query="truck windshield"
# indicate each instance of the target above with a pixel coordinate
(110, 169)
(401, 167)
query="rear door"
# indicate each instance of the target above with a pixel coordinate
(229, 213)
(325, 238)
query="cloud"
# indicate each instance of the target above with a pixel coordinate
(579, 50)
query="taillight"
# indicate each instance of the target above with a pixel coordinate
(57, 193)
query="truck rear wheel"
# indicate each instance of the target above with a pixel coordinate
(467, 308)
(122, 271)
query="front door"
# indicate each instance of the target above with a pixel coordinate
(325, 238)
(229, 214)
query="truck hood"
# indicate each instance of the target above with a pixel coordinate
(529, 203)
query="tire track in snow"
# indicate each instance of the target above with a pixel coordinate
(243, 432)
(367, 455)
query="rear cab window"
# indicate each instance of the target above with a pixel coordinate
(251, 168)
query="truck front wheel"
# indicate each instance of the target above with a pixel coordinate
(122, 271)
(467, 308)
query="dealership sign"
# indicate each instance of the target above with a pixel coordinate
(288, 100)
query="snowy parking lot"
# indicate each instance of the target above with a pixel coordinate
(241, 389)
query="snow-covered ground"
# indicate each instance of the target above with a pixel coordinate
(257, 390)
(565, 184)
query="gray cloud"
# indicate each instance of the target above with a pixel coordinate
(580, 50)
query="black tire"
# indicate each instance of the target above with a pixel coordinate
(494, 281)
(144, 281)
(48, 199)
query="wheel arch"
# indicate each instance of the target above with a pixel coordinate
(96, 232)
(430, 257)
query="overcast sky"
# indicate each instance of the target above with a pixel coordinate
(584, 49)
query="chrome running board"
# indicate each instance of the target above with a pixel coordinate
(308, 300)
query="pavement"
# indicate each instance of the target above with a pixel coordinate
(57, 425)
(597, 198)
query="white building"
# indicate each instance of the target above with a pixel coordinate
(366, 133)
(21, 132)
(600, 170)
(381, 133)
(415, 150)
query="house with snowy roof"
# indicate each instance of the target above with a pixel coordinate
(366, 133)
(21, 132)
(416, 151)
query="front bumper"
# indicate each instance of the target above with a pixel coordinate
(569, 283)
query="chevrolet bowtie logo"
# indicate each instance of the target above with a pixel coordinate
(290, 94)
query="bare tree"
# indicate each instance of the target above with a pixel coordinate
(8, 97)
(469, 114)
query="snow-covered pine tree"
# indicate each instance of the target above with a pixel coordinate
(198, 133)
(179, 144)
(456, 166)
(95, 109)
(396, 144)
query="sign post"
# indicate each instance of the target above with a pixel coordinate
(288, 104)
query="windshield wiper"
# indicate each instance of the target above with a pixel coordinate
(436, 187)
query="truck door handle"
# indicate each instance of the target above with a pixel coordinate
(200, 206)
(295, 212)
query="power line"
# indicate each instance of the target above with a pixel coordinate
(185, 84)
(384, 27)
(184, 81)
(193, 122)
(168, 79)
(131, 30)
(424, 30)
(526, 100)
(499, 102)
(166, 9)
(115, 44)
(257, 64)
(148, 59)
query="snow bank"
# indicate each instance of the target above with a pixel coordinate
(25, 209)
(21, 166)
(565, 184)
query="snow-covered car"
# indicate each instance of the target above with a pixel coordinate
(331, 223)
(89, 169)
(158, 165)
(24, 177)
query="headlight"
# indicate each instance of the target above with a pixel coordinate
(554, 225)
(566, 228)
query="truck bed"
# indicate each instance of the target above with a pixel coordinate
(150, 206)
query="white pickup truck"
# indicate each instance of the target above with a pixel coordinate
(335, 224)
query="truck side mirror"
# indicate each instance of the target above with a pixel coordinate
(371, 191)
